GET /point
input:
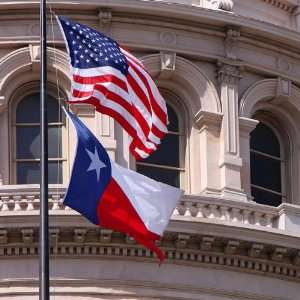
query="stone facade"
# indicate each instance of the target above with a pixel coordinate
(224, 62)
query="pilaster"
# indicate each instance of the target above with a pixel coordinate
(209, 126)
(246, 126)
(230, 162)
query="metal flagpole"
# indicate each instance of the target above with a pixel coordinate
(44, 241)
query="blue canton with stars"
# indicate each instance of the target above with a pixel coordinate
(91, 49)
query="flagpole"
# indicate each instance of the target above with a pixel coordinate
(44, 226)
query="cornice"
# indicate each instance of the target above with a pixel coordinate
(197, 250)
(286, 5)
(177, 13)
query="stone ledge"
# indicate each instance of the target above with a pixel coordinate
(185, 249)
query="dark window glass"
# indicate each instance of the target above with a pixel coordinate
(265, 166)
(167, 154)
(264, 197)
(265, 172)
(170, 177)
(28, 110)
(29, 172)
(28, 140)
(264, 140)
(173, 119)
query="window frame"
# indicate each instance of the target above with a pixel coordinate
(21, 93)
(173, 100)
(271, 121)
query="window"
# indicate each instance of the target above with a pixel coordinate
(266, 166)
(165, 163)
(26, 125)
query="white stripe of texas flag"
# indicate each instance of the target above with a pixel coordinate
(153, 201)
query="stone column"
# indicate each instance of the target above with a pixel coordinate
(246, 126)
(230, 162)
(209, 126)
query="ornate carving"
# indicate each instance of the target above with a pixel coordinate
(284, 5)
(218, 4)
(256, 250)
(34, 29)
(168, 61)
(182, 241)
(207, 243)
(54, 235)
(168, 37)
(105, 17)
(130, 240)
(226, 5)
(279, 253)
(3, 236)
(232, 35)
(27, 235)
(105, 235)
(232, 247)
(179, 248)
(79, 235)
(283, 64)
(228, 73)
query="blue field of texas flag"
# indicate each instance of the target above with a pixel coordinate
(117, 198)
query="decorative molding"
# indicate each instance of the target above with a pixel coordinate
(105, 18)
(22, 65)
(190, 207)
(232, 36)
(27, 235)
(284, 91)
(3, 236)
(168, 62)
(286, 5)
(246, 126)
(283, 64)
(35, 56)
(208, 120)
(228, 73)
(266, 90)
(188, 77)
(226, 5)
(193, 250)
(168, 37)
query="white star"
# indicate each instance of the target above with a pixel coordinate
(96, 164)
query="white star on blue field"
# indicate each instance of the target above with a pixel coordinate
(96, 164)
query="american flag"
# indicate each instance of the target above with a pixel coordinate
(117, 84)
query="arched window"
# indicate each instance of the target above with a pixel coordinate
(26, 128)
(166, 163)
(266, 161)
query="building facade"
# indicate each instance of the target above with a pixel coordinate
(229, 71)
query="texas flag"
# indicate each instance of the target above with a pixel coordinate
(117, 198)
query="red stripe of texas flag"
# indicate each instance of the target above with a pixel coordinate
(116, 212)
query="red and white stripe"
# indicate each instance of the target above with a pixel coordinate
(133, 100)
